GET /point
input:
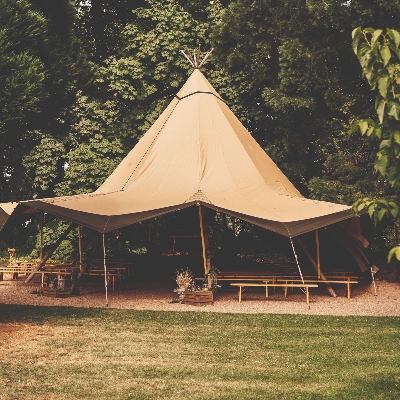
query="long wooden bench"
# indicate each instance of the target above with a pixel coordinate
(306, 286)
(251, 276)
(14, 270)
(112, 277)
(123, 265)
(348, 282)
(58, 268)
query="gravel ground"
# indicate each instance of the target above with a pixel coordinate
(157, 295)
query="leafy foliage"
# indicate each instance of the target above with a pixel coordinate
(22, 91)
(41, 65)
(379, 55)
(296, 85)
(131, 89)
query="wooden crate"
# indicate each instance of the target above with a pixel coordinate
(199, 298)
(55, 292)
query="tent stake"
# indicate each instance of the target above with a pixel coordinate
(105, 270)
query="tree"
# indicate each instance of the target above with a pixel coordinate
(22, 83)
(131, 89)
(379, 54)
(297, 83)
(41, 66)
(100, 24)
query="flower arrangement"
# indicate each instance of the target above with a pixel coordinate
(184, 278)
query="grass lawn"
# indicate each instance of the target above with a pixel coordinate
(76, 353)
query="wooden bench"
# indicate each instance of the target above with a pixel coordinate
(58, 262)
(112, 277)
(14, 270)
(340, 278)
(121, 264)
(266, 285)
(348, 282)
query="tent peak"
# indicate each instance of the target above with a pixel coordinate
(195, 60)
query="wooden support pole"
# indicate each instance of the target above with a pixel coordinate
(314, 264)
(90, 259)
(41, 235)
(203, 241)
(80, 248)
(48, 254)
(318, 254)
(105, 269)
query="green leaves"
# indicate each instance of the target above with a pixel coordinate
(385, 54)
(394, 110)
(356, 35)
(383, 84)
(394, 36)
(377, 209)
(377, 51)
(380, 110)
(43, 163)
(89, 164)
(41, 65)
(395, 251)
(375, 36)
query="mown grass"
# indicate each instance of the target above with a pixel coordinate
(73, 353)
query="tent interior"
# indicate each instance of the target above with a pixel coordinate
(157, 247)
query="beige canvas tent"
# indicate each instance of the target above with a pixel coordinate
(197, 152)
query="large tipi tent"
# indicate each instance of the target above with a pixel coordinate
(197, 152)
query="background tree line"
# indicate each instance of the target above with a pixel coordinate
(81, 82)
